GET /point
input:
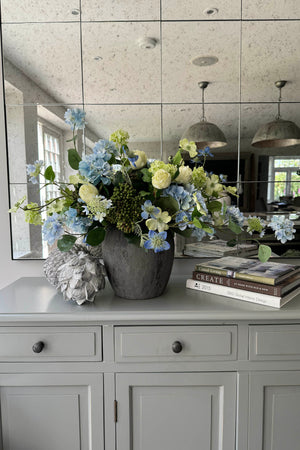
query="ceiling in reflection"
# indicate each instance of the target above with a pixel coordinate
(94, 58)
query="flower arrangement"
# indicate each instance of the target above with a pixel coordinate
(117, 187)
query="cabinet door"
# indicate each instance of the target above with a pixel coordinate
(274, 411)
(51, 411)
(176, 411)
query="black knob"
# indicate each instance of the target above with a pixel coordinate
(177, 347)
(38, 347)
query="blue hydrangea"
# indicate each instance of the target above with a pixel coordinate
(283, 228)
(201, 202)
(182, 220)
(235, 215)
(105, 148)
(52, 228)
(182, 195)
(200, 233)
(33, 171)
(157, 241)
(75, 117)
(149, 210)
(95, 168)
(77, 223)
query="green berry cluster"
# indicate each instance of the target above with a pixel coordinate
(126, 208)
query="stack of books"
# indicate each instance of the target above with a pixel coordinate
(217, 248)
(270, 283)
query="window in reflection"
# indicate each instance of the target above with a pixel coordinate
(286, 181)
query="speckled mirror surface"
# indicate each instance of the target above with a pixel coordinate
(89, 55)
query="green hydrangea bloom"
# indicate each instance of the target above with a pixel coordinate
(57, 206)
(199, 177)
(157, 165)
(32, 214)
(120, 137)
(17, 205)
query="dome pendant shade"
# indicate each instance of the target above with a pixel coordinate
(279, 133)
(205, 134)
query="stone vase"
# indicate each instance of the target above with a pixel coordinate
(132, 272)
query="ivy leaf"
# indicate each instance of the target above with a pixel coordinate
(74, 158)
(49, 174)
(177, 158)
(264, 253)
(66, 242)
(234, 227)
(214, 206)
(95, 236)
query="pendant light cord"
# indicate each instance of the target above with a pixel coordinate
(203, 119)
(279, 100)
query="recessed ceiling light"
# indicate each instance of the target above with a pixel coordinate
(210, 11)
(205, 60)
(98, 58)
(147, 43)
(75, 12)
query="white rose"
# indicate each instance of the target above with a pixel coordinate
(141, 161)
(161, 179)
(87, 192)
(185, 175)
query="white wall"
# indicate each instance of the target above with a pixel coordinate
(9, 270)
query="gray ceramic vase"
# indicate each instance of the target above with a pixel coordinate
(134, 273)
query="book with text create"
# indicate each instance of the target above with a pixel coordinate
(248, 269)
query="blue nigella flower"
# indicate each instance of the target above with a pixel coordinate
(149, 210)
(205, 152)
(77, 223)
(75, 117)
(52, 228)
(157, 241)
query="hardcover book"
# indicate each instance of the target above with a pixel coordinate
(248, 269)
(239, 294)
(278, 290)
(218, 247)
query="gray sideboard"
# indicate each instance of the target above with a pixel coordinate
(187, 370)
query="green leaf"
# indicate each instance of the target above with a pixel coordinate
(147, 177)
(234, 227)
(264, 253)
(185, 233)
(74, 158)
(177, 158)
(207, 228)
(168, 204)
(66, 242)
(197, 223)
(144, 193)
(196, 213)
(49, 174)
(95, 236)
(214, 206)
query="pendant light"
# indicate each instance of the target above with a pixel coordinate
(203, 133)
(279, 133)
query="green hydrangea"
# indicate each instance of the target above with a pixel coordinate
(32, 214)
(199, 177)
(119, 137)
(157, 165)
(17, 205)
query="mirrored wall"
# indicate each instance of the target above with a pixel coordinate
(94, 55)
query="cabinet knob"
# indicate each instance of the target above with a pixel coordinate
(38, 347)
(177, 347)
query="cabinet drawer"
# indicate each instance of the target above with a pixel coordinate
(175, 343)
(274, 342)
(51, 344)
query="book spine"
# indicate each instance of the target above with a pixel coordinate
(232, 274)
(238, 284)
(238, 294)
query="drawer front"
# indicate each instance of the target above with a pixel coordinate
(274, 342)
(58, 344)
(175, 343)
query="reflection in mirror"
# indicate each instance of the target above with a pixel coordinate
(43, 61)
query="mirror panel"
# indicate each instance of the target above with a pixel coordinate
(115, 68)
(270, 52)
(179, 47)
(275, 9)
(201, 10)
(107, 10)
(43, 61)
(39, 11)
